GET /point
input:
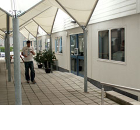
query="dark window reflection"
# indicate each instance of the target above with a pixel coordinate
(118, 44)
(104, 44)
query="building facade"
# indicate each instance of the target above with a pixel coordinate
(113, 44)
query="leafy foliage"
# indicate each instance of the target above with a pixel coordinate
(2, 49)
(38, 58)
(46, 55)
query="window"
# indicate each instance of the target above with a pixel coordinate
(77, 44)
(113, 49)
(104, 44)
(73, 41)
(58, 44)
(118, 44)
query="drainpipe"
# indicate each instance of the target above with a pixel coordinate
(17, 74)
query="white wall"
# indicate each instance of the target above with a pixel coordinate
(62, 57)
(125, 74)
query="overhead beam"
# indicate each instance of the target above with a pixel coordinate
(29, 32)
(54, 20)
(39, 26)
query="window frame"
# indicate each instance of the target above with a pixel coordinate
(110, 60)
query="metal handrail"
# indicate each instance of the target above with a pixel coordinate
(114, 86)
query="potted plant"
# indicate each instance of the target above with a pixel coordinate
(38, 58)
(48, 57)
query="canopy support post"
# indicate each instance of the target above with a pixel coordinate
(8, 48)
(85, 59)
(51, 51)
(5, 42)
(51, 42)
(37, 47)
(17, 75)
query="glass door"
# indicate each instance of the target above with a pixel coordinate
(77, 54)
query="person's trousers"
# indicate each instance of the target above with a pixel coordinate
(29, 65)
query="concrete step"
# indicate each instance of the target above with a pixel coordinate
(121, 99)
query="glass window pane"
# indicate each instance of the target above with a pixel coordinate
(73, 43)
(73, 65)
(81, 44)
(60, 45)
(57, 45)
(103, 44)
(118, 44)
(81, 67)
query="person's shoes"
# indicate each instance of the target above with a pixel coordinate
(34, 82)
(28, 81)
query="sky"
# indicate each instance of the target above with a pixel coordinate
(20, 5)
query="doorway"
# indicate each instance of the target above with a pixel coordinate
(77, 54)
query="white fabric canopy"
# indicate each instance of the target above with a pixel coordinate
(3, 21)
(34, 12)
(32, 28)
(44, 13)
(2, 33)
(46, 19)
(1, 37)
(24, 32)
(79, 10)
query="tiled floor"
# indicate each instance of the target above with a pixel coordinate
(57, 88)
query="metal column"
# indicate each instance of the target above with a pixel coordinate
(85, 59)
(51, 51)
(36, 46)
(50, 42)
(17, 75)
(8, 48)
(5, 45)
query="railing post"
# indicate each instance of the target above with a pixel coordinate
(102, 95)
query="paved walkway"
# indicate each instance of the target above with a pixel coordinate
(57, 88)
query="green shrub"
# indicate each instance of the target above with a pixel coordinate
(2, 49)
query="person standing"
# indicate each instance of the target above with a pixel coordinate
(28, 53)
